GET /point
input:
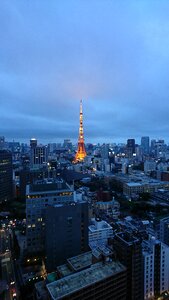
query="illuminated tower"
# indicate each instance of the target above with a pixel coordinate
(81, 152)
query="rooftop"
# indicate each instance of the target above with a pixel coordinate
(82, 279)
(99, 225)
(64, 270)
(127, 237)
(48, 185)
(81, 261)
(147, 248)
(133, 184)
(138, 178)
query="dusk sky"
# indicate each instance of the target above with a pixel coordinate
(114, 54)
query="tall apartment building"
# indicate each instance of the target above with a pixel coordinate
(161, 267)
(164, 230)
(38, 154)
(66, 232)
(39, 196)
(130, 147)
(2, 142)
(6, 176)
(148, 253)
(145, 144)
(149, 165)
(155, 266)
(129, 253)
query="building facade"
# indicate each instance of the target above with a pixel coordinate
(38, 154)
(6, 176)
(99, 232)
(66, 232)
(164, 230)
(129, 252)
(39, 196)
(130, 148)
(145, 144)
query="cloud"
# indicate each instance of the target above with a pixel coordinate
(113, 54)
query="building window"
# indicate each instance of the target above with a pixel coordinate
(69, 220)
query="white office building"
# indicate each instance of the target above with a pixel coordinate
(156, 268)
(99, 231)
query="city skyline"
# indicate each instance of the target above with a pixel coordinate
(111, 54)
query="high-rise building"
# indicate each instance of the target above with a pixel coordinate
(66, 232)
(145, 144)
(2, 142)
(51, 147)
(39, 196)
(81, 152)
(33, 143)
(149, 165)
(148, 253)
(153, 143)
(39, 154)
(29, 176)
(104, 151)
(129, 253)
(161, 267)
(130, 147)
(67, 144)
(164, 230)
(6, 176)
(160, 148)
(155, 268)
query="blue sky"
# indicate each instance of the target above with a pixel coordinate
(114, 54)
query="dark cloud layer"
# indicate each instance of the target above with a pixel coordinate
(113, 54)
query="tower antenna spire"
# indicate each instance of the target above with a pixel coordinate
(81, 152)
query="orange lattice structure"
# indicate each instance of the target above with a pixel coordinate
(81, 152)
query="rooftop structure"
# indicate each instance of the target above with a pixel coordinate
(127, 238)
(48, 184)
(138, 182)
(70, 284)
(99, 231)
(80, 262)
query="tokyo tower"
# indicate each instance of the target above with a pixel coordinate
(81, 152)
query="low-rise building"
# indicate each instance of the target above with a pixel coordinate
(87, 280)
(99, 231)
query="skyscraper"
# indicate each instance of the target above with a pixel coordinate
(81, 152)
(145, 144)
(38, 154)
(129, 252)
(39, 195)
(130, 147)
(2, 142)
(6, 182)
(66, 232)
